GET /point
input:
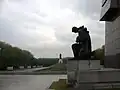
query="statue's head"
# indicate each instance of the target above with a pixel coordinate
(77, 30)
(85, 29)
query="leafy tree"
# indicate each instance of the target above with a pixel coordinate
(99, 54)
(14, 56)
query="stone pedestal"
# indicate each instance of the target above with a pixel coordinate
(112, 44)
(76, 66)
(99, 79)
(85, 74)
(71, 71)
(110, 12)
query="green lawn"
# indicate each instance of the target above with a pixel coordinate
(54, 69)
(59, 85)
(58, 67)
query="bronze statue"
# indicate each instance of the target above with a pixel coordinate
(82, 47)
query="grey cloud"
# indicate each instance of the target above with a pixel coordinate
(52, 52)
(1, 3)
(13, 35)
(6, 30)
(21, 27)
(93, 8)
(64, 36)
(9, 33)
(90, 8)
(97, 41)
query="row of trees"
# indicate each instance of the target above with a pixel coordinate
(14, 56)
(98, 54)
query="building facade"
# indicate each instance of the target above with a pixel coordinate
(110, 13)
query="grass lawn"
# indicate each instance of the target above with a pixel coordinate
(58, 67)
(59, 85)
(54, 69)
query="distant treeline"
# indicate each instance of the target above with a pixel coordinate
(98, 54)
(14, 56)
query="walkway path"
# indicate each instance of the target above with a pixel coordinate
(23, 72)
(33, 69)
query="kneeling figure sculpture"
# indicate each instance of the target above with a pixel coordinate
(82, 47)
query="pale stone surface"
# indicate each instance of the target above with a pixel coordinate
(27, 82)
(10, 68)
(83, 73)
(21, 67)
(29, 67)
(73, 66)
(71, 69)
(99, 76)
(112, 44)
(109, 78)
(112, 39)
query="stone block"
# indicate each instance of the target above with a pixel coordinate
(21, 67)
(99, 76)
(71, 70)
(75, 66)
(10, 68)
(29, 67)
(72, 65)
(112, 43)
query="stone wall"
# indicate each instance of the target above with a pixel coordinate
(112, 44)
(84, 77)
(74, 66)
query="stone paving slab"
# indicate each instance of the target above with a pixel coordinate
(27, 82)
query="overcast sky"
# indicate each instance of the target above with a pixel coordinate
(44, 26)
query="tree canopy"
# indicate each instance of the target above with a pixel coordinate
(14, 56)
(98, 54)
